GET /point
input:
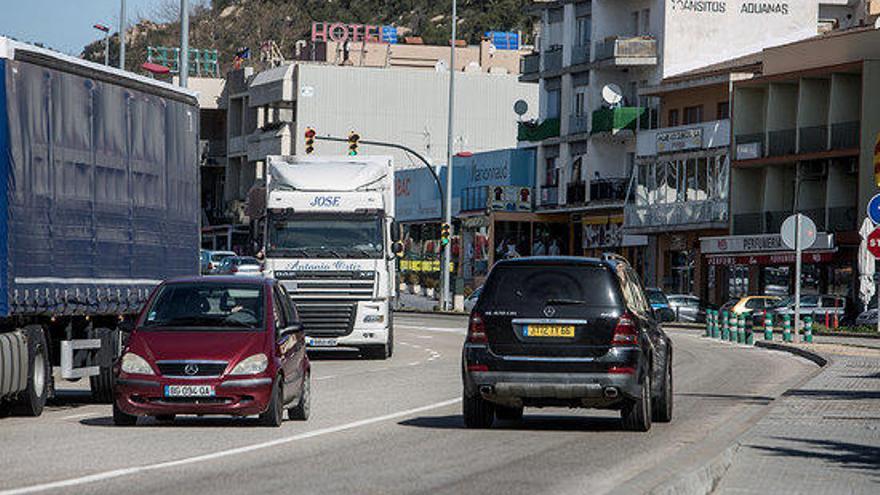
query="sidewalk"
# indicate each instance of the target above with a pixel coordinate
(414, 302)
(821, 437)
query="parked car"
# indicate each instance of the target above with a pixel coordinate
(687, 308)
(749, 304)
(240, 265)
(660, 304)
(210, 260)
(215, 345)
(813, 305)
(868, 316)
(569, 332)
(471, 300)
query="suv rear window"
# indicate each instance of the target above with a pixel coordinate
(516, 284)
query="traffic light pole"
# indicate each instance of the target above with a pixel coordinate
(445, 292)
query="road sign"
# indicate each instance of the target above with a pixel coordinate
(874, 209)
(874, 242)
(807, 232)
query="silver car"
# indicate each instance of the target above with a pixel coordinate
(687, 308)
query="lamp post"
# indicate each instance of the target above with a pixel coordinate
(184, 43)
(122, 29)
(445, 293)
(106, 30)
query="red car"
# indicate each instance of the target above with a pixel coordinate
(215, 345)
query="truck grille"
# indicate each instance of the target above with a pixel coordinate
(352, 286)
(326, 318)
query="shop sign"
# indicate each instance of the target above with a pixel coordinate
(748, 151)
(680, 140)
(510, 198)
(770, 259)
(757, 243)
(609, 235)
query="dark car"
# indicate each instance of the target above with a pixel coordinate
(215, 345)
(658, 301)
(568, 332)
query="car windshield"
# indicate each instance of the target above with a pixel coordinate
(206, 306)
(656, 297)
(539, 284)
(729, 305)
(809, 301)
(220, 256)
(323, 236)
(247, 261)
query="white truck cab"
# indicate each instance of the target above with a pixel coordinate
(328, 241)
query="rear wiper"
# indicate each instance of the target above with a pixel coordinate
(560, 302)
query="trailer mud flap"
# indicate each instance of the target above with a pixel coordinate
(69, 349)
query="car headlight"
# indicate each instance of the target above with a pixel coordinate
(134, 364)
(251, 365)
(374, 318)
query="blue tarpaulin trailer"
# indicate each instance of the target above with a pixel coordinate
(98, 204)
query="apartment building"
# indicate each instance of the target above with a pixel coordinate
(804, 136)
(586, 142)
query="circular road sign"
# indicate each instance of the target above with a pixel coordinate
(874, 209)
(874, 242)
(808, 231)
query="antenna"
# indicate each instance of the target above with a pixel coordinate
(612, 94)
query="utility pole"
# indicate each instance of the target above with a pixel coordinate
(122, 28)
(184, 44)
(445, 294)
(106, 30)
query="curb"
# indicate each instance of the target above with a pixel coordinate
(702, 480)
(867, 336)
(798, 351)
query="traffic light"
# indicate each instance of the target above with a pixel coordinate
(310, 140)
(445, 233)
(353, 139)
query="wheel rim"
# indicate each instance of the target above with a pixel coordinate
(39, 374)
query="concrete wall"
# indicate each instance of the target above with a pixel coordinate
(813, 102)
(823, 51)
(749, 110)
(782, 104)
(870, 134)
(708, 96)
(846, 98)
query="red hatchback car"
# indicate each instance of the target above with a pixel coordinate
(215, 345)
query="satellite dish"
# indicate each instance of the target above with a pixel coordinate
(520, 107)
(612, 94)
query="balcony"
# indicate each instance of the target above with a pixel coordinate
(580, 54)
(608, 190)
(813, 139)
(576, 193)
(614, 120)
(549, 196)
(553, 59)
(782, 142)
(750, 146)
(533, 131)
(691, 214)
(627, 52)
(273, 139)
(236, 145)
(578, 124)
(530, 64)
(845, 135)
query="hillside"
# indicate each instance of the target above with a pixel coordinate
(230, 25)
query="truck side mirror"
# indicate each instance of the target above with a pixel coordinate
(397, 248)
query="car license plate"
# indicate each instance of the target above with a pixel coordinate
(549, 331)
(189, 391)
(321, 342)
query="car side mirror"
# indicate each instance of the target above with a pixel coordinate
(291, 329)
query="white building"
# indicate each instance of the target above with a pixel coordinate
(586, 147)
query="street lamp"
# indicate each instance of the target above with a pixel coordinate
(445, 294)
(106, 30)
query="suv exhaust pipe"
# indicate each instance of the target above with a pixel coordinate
(610, 393)
(486, 389)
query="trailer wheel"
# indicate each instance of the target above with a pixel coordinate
(31, 400)
(102, 384)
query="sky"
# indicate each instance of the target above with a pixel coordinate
(66, 25)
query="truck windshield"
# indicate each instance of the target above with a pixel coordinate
(325, 236)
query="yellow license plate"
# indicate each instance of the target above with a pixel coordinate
(549, 331)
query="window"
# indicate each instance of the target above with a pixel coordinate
(279, 312)
(635, 23)
(584, 30)
(693, 115)
(580, 102)
(646, 22)
(723, 111)
(551, 174)
(672, 119)
(554, 102)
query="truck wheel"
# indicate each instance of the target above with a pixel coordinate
(102, 384)
(31, 400)
(390, 333)
(636, 415)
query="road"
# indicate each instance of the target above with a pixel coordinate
(395, 427)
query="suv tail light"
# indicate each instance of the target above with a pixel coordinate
(625, 333)
(234, 269)
(477, 330)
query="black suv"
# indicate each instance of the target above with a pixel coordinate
(569, 332)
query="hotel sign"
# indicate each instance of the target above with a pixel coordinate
(343, 31)
(680, 140)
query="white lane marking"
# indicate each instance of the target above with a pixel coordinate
(116, 473)
(325, 377)
(459, 331)
(414, 363)
(81, 415)
(425, 336)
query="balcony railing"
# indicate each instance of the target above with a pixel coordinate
(549, 196)
(782, 142)
(530, 64)
(749, 146)
(578, 124)
(748, 223)
(676, 214)
(640, 50)
(614, 120)
(845, 135)
(533, 131)
(813, 139)
(576, 193)
(553, 59)
(580, 54)
(608, 189)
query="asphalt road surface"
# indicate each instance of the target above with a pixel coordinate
(395, 427)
